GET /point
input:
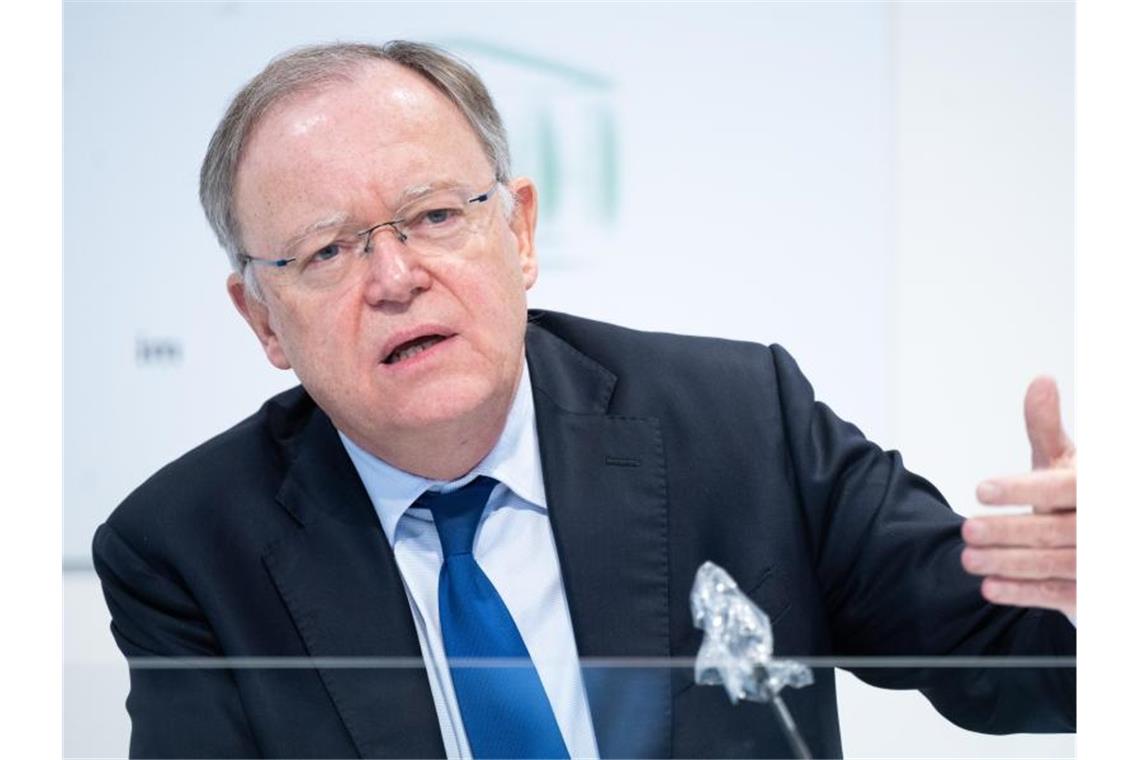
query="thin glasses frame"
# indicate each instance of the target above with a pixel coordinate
(401, 236)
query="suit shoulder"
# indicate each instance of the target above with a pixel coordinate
(672, 365)
(235, 466)
(623, 347)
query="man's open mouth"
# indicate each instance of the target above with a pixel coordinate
(412, 347)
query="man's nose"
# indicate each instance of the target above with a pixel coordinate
(393, 271)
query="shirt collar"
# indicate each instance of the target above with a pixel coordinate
(514, 461)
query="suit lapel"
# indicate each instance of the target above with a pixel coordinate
(339, 579)
(606, 495)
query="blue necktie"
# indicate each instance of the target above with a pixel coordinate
(505, 710)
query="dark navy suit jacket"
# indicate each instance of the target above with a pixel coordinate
(659, 452)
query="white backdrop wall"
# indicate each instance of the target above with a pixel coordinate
(883, 189)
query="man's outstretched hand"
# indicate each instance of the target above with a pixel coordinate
(1030, 560)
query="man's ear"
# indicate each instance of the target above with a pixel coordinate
(256, 314)
(524, 218)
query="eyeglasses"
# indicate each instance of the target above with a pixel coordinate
(436, 224)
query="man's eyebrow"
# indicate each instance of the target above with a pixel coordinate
(336, 220)
(415, 192)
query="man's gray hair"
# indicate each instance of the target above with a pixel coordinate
(309, 67)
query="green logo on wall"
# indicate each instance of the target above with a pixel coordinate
(563, 134)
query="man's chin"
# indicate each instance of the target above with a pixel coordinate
(439, 404)
(445, 409)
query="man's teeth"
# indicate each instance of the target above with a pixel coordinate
(412, 350)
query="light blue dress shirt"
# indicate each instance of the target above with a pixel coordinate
(514, 545)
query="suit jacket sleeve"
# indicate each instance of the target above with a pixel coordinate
(175, 712)
(887, 549)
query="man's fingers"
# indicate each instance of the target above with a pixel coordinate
(1057, 530)
(1043, 489)
(1052, 594)
(1043, 422)
(1030, 564)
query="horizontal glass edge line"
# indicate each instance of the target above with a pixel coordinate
(408, 663)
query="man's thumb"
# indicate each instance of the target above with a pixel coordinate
(1043, 422)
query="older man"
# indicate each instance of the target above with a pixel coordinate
(456, 479)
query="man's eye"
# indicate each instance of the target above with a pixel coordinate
(327, 253)
(437, 216)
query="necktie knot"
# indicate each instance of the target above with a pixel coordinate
(457, 513)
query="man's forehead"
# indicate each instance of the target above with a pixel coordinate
(384, 130)
(380, 89)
